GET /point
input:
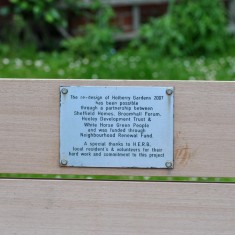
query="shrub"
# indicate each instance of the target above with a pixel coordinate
(189, 28)
(95, 38)
(47, 20)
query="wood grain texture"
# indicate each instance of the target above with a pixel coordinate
(111, 208)
(204, 132)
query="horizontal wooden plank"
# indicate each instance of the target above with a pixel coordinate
(204, 133)
(88, 207)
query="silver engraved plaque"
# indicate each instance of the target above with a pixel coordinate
(116, 126)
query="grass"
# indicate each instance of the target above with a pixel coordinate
(117, 66)
(123, 178)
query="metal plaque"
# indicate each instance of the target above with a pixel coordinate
(116, 127)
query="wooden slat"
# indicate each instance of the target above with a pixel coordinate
(85, 207)
(204, 128)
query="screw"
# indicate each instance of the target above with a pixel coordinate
(168, 164)
(64, 91)
(169, 91)
(64, 162)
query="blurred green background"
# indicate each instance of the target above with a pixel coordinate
(78, 39)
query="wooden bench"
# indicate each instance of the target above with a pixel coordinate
(204, 136)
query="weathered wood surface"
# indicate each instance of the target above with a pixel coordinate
(89, 207)
(204, 128)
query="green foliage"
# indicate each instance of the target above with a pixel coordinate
(190, 28)
(118, 66)
(46, 11)
(95, 38)
(15, 36)
(94, 41)
(47, 20)
(118, 177)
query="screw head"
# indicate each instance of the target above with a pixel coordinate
(168, 164)
(64, 162)
(64, 91)
(169, 91)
